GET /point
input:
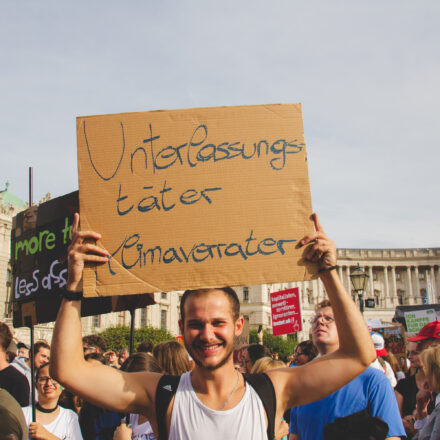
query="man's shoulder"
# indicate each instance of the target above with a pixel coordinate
(12, 373)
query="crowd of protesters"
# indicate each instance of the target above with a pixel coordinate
(342, 384)
(367, 404)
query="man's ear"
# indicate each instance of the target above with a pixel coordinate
(181, 326)
(239, 326)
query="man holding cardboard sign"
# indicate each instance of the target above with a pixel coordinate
(213, 401)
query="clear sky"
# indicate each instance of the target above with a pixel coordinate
(367, 75)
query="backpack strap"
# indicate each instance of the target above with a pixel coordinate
(166, 389)
(265, 390)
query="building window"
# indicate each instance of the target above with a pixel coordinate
(374, 276)
(246, 294)
(397, 276)
(143, 322)
(421, 275)
(96, 321)
(269, 321)
(163, 319)
(163, 295)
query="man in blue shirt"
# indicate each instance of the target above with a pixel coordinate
(371, 390)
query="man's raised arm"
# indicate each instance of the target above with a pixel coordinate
(324, 375)
(99, 384)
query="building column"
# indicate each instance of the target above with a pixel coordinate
(394, 284)
(388, 299)
(410, 289)
(315, 291)
(303, 293)
(340, 274)
(417, 293)
(347, 269)
(370, 273)
(433, 284)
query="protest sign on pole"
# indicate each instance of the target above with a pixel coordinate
(195, 198)
(286, 311)
(39, 239)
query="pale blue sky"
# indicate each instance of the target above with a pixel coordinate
(366, 73)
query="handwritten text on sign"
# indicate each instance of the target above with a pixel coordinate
(286, 312)
(195, 198)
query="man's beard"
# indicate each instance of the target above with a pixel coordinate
(193, 354)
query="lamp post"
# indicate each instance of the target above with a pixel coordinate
(359, 280)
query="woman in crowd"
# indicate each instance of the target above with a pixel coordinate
(305, 352)
(139, 427)
(52, 421)
(265, 364)
(172, 358)
(431, 367)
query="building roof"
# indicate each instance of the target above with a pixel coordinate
(8, 198)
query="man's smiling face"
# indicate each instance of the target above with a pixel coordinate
(209, 330)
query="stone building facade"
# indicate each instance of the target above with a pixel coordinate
(396, 277)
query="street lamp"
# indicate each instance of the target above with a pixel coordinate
(359, 280)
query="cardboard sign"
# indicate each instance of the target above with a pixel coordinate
(195, 198)
(39, 240)
(417, 319)
(286, 311)
(395, 338)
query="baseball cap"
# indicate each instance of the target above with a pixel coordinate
(379, 344)
(431, 330)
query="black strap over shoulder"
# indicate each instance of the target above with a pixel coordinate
(265, 390)
(166, 389)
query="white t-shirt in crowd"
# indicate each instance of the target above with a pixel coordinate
(388, 371)
(144, 431)
(65, 426)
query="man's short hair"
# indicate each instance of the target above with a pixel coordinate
(145, 347)
(96, 357)
(228, 291)
(322, 304)
(5, 336)
(94, 341)
(40, 344)
(257, 351)
(308, 348)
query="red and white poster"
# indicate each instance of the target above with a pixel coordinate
(286, 311)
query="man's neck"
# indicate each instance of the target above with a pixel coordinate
(204, 380)
(324, 349)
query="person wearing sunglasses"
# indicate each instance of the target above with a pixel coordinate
(52, 421)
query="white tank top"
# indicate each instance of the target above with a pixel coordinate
(192, 420)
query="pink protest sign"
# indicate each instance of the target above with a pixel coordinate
(286, 312)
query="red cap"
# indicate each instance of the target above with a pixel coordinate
(431, 330)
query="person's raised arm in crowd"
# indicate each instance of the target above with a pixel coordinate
(326, 374)
(98, 384)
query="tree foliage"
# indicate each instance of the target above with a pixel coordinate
(282, 346)
(116, 338)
